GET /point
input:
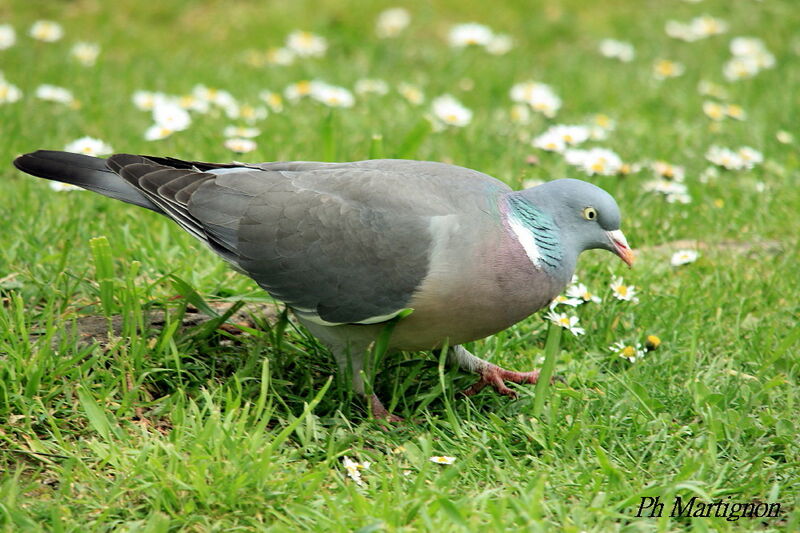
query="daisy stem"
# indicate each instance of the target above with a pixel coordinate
(551, 349)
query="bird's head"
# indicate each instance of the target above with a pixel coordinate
(586, 215)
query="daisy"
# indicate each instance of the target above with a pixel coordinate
(539, 96)
(707, 26)
(580, 292)
(567, 322)
(725, 157)
(89, 146)
(53, 93)
(450, 112)
(683, 257)
(371, 86)
(500, 44)
(306, 44)
(63, 187)
(564, 300)
(190, 102)
(668, 171)
(147, 100)
(520, 114)
(595, 161)
(7, 36)
(623, 292)
(332, 96)
(241, 146)
(157, 132)
(442, 459)
(462, 35)
(735, 112)
(85, 53)
(218, 97)
(713, 110)
(280, 56)
(240, 131)
(673, 191)
(550, 141)
(412, 93)
(171, 116)
(392, 22)
(750, 156)
(301, 89)
(249, 113)
(630, 352)
(740, 68)
(9, 93)
(354, 468)
(784, 137)
(273, 100)
(46, 31)
(664, 68)
(707, 88)
(615, 49)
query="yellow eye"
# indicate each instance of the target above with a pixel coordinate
(590, 213)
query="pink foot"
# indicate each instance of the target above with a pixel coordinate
(495, 376)
(380, 412)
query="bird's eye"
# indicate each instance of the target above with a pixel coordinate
(590, 213)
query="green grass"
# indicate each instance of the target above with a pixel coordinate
(245, 432)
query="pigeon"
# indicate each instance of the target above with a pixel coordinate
(437, 255)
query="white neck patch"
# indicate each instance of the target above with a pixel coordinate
(526, 239)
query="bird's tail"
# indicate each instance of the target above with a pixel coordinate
(84, 171)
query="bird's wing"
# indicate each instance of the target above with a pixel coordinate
(338, 242)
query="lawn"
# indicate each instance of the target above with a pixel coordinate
(125, 406)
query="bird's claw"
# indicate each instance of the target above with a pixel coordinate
(379, 412)
(496, 377)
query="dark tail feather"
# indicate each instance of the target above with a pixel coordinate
(84, 171)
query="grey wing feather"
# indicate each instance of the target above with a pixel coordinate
(342, 242)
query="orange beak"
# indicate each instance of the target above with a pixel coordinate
(621, 247)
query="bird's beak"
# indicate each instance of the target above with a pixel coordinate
(621, 247)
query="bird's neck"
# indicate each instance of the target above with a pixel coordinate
(539, 235)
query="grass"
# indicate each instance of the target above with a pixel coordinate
(200, 430)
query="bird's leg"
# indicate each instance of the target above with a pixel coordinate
(351, 363)
(490, 374)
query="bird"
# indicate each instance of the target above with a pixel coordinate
(436, 254)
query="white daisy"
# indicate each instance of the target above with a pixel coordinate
(449, 111)
(241, 146)
(9, 93)
(306, 44)
(564, 300)
(171, 116)
(273, 100)
(53, 93)
(85, 53)
(412, 93)
(371, 86)
(8, 36)
(664, 68)
(442, 459)
(331, 95)
(630, 352)
(46, 31)
(147, 100)
(594, 161)
(539, 96)
(392, 22)
(157, 132)
(298, 90)
(240, 131)
(500, 44)
(89, 146)
(612, 48)
(668, 171)
(565, 321)
(683, 257)
(280, 56)
(354, 468)
(472, 33)
(580, 292)
(623, 292)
